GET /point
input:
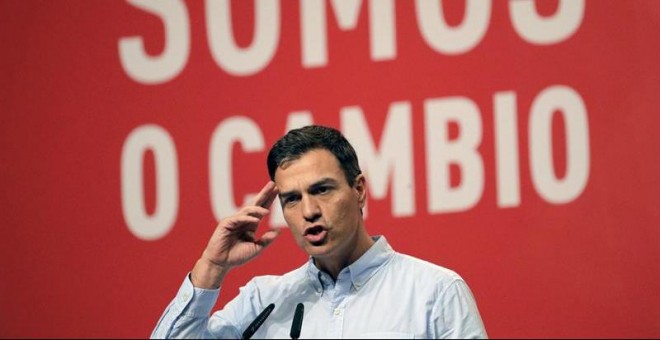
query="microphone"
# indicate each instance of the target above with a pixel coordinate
(297, 321)
(254, 326)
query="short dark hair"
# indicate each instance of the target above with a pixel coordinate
(298, 141)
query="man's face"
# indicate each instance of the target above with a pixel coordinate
(321, 209)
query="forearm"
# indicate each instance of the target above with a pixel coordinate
(208, 275)
(188, 313)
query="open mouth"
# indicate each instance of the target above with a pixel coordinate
(315, 235)
(315, 230)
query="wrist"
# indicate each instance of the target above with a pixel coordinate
(208, 275)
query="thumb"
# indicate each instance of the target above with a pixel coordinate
(268, 237)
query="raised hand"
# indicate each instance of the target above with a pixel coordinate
(234, 242)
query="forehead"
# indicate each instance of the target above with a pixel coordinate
(308, 168)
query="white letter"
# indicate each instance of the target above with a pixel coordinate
(506, 150)
(441, 152)
(538, 30)
(565, 100)
(298, 119)
(232, 130)
(395, 156)
(314, 33)
(445, 39)
(149, 70)
(232, 58)
(156, 139)
(382, 33)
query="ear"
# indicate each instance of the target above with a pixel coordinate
(360, 188)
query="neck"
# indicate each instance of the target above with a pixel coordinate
(333, 265)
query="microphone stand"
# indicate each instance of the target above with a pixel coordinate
(296, 325)
(254, 326)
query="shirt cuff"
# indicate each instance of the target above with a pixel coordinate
(196, 302)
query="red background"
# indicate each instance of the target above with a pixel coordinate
(71, 268)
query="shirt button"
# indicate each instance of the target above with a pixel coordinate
(337, 312)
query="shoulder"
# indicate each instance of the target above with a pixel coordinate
(414, 267)
(410, 263)
(431, 274)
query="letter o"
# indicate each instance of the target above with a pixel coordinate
(140, 140)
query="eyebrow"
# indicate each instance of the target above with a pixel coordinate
(322, 182)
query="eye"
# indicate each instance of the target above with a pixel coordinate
(290, 200)
(323, 189)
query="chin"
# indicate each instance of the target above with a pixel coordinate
(317, 250)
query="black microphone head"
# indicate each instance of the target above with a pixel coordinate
(254, 326)
(296, 326)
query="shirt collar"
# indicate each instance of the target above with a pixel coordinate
(361, 270)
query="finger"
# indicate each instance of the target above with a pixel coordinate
(255, 211)
(252, 211)
(238, 222)
(271, 198)
(266, 196)
(268, 237)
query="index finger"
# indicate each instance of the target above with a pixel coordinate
(266, 196)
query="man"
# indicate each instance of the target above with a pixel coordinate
(352, 286)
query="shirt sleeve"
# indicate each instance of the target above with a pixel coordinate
(188, 314)
(456, 315)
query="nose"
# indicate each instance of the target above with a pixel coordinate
(310, 208)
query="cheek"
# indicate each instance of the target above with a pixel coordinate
(292, 219)
(294, 227)
(341, 210)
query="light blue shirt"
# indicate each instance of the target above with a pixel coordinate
(382, 294)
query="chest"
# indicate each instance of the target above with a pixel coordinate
(382, 309)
